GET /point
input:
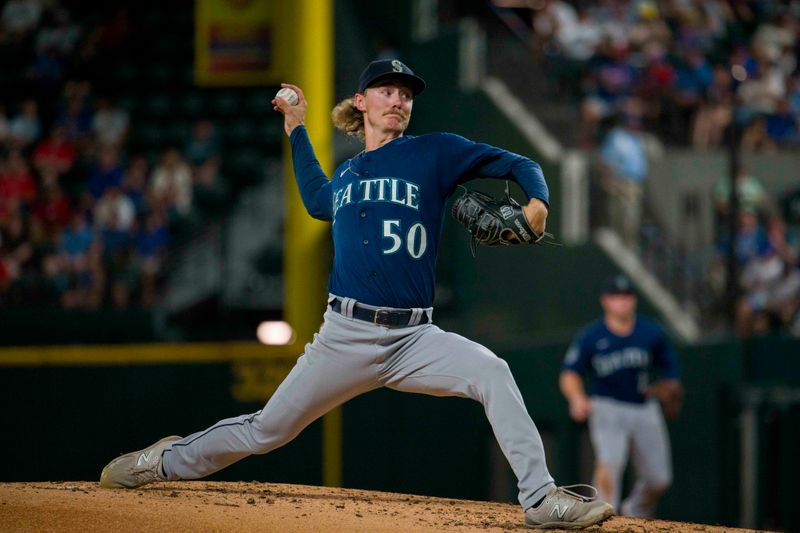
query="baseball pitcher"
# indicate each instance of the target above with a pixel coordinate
(386, 208)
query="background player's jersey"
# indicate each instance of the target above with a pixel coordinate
(387, 208)
(621, 367)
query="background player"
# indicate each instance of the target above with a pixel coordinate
(387, 208)
(620, 352)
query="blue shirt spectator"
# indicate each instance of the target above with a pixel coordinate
(153, 238)
(78, 237)
(624, 151)
(108, 172)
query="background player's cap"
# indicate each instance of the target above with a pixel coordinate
(618, 284)
(389, 68)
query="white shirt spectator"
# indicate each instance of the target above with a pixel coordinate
(25, 127)
(760, 94)
(580, 39)
(172, 182)
(110, 125)
(114, 206)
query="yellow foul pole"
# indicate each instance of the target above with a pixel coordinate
(305, 265)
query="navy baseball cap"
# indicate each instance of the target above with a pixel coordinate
(618, 284)
(389, 68)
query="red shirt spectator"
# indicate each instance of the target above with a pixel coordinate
(56, 152)
(54, 211)
(16, 180)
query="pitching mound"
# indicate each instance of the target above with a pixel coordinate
(232, 507)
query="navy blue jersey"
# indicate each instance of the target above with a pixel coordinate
(387, 208)
(622, 367)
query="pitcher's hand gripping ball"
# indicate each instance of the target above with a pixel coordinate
(494, 222)
(287, 94)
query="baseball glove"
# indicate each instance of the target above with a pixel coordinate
(494, 222)
(669, 392)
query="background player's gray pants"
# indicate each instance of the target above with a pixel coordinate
(349, 357)
(618, 428)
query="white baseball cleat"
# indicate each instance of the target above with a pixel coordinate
(136, 468)
(564, 509)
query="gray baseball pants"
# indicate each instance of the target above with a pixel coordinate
(349, 357)
(618, 429)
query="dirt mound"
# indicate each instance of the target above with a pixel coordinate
(232, 507)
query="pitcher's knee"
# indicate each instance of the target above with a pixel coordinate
(268, 433)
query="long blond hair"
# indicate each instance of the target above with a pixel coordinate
(348, 119)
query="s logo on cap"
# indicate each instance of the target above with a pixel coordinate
(397, 65)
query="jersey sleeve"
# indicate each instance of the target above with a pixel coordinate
(315, 188)
(665, 357)
(578, 355)
(463, 160)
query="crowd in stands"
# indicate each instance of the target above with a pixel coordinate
(85, 223)
(767, 256)
(690, 72)
(687, 68)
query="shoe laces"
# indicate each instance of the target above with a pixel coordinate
(568, 491)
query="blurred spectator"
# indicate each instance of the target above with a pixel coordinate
(754, 136)
(58, 33)
(79, 251)
(47, 70)
(134, 183)
(16, 180)
(625, 167)
(760, 92)
(117, 248)
(657, 81)
(114, 209)
(21, 16)
(751, 239)
(611, 80)
(15, 245)
(750, 191)
(172, 183)
(76, 115)
(771, 281)
(110, 124)
(25, 127)
(108, 172)
(152, 240)
(204, 143)
(715, 112)
(52, 212)
(55, 152)
(694, 77)
(579, 38)
(781, 126)
(774, 36)
(549, 18)
(209, 191)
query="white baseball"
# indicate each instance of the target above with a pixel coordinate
(289, 95)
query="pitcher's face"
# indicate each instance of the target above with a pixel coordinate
(386, 106)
